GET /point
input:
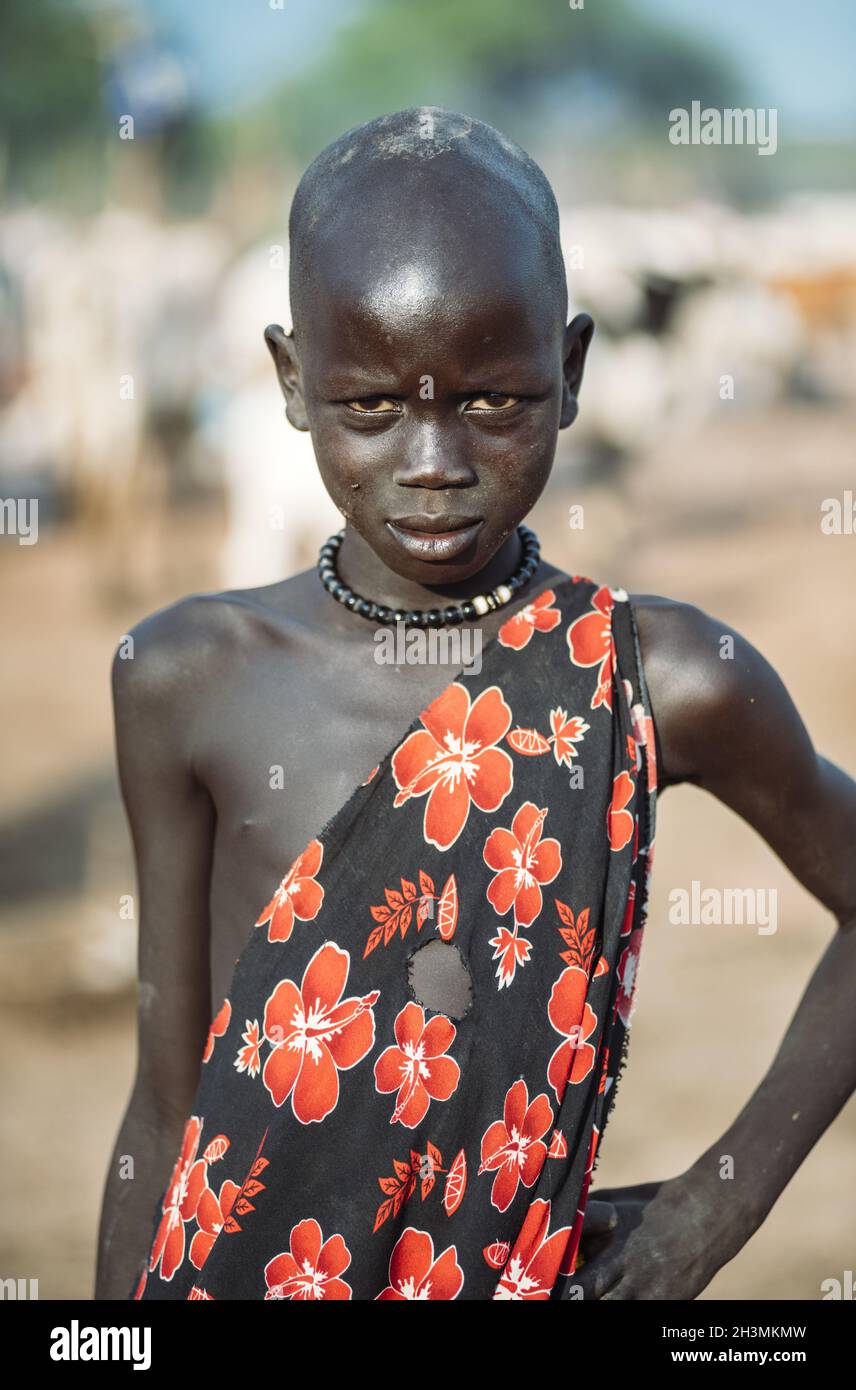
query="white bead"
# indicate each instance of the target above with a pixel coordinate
(480, 605)
(503, 593)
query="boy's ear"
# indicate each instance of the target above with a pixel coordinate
(284, 353)
(575, 346)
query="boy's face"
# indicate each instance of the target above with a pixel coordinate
(434, 384)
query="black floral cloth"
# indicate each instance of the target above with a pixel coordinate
(348, 1142)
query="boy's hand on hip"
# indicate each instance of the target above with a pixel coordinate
(657, 1240)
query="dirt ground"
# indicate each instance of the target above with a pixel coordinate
(713, 1002)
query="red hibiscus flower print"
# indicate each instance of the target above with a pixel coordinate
(416, 1066)
(522, 861)
(538, 616)
(535, 1257)
(414, 1273)
(316, 1034)
(590, 643)
(249, 1056)
(454, 761)
(627, 973)
(138, 1293)
(180, 1203)
(620, 821)
(196, 1294)
(211, 1214)
(297, 896)
(511, 950)
(513, 1147)
(310, 1268)
(574, 1018)
(218, 1028)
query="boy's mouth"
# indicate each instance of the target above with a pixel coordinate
(434, 537)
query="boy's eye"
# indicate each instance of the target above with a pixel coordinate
(493, 400)
(488, 401)
(373, 405)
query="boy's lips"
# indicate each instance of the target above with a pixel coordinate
(434, 537)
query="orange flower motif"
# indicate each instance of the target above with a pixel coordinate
(566, 734)
(574, 1018)
(218, 1028)
(210, 1216)
(619, 821)
(416, 1067)
(315, 1035)
(513, 1147)
(533, 1264)
(415, 1275)
(298, 895)
(249, 1056)
(310, 1268)
(590, 643)
(537, 616)
(510, 950)
(180, 1202)
(453, 760)
(523, 861)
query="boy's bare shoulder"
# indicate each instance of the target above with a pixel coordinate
(703, 660)
(712, 692)
(177, 650)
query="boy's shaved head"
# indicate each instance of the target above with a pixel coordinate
(429, 184)
(429, 354)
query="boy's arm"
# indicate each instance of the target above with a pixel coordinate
(172, 820)
(729, 725)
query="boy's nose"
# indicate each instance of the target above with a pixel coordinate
(431, 457)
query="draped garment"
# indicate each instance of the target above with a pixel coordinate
(348, 1141)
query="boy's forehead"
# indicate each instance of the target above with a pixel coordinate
(466, 279)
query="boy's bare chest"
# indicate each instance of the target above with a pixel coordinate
(288, 742)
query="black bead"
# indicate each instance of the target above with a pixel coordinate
(362, 606)
(351, 601)
(399, 615)
(453, 614)
(468, 610)
(413, 618)
(433, 618)
(384, 614)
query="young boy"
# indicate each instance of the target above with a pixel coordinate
(390, 914)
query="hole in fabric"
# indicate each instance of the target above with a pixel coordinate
(439, 980)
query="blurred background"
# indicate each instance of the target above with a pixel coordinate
(138, 405)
